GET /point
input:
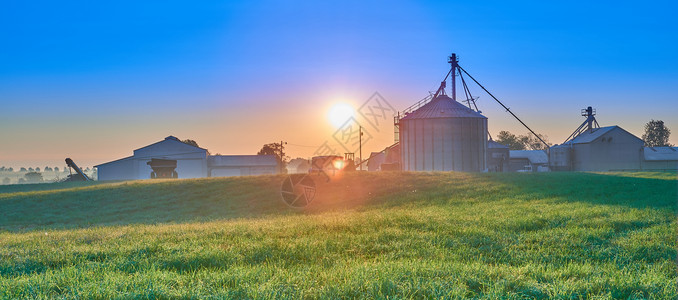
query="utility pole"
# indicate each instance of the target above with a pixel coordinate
(361, 148)
(282, 156)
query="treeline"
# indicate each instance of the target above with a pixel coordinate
(24, 169)
(10, 175)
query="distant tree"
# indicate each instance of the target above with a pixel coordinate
(31, 169)
(21, 180)
(532, 142)
(23, 169)
(33, 177)
(56, 169)
(47, 169)
(275, 149)
(298, 165)
(2, 169)
(37, 169)
(10, 169)
(190, 142)
(511, 140)
(6, 180)
(656, 134)
(522, 142)
(193, 143)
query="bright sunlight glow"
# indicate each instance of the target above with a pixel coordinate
(339, 114)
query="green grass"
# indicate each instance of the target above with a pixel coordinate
(369, 235)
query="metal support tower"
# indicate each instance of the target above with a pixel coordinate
(454, 63)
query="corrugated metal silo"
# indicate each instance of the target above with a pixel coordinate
(443, 135)
(560, 157)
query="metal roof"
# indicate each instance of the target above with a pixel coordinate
(241, 160)
(493, 144)
(590, 136)
(587, 137)
(169, 138)
(660, 153)
(534, 156)
(443, 107)
(117, 160)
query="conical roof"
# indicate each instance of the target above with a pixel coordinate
(443, 107)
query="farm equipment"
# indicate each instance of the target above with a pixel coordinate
(79, 174)
(332, 164)
(163, 168)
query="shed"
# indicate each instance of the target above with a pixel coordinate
(241, 165)
(191, 161)
(528, 161)
(385, 160)
(660, 158)
(608, 148)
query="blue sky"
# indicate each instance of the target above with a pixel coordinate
(116, 76)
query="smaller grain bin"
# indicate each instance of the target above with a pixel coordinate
(560, 157)
(443, 135)
(497, 157)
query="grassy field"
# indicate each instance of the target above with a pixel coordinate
(369, 235)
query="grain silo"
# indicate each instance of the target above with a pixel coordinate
(443, 134)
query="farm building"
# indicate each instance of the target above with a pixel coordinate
(385, 160)
(192, 162)
(241, 165)
(660, 158)
(599, 149)
(528, 161)
(594, 148)
(497, 157)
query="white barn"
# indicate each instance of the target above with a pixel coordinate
(192, 162)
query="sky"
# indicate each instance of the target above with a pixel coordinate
(95, 80)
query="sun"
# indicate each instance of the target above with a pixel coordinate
(339, 114)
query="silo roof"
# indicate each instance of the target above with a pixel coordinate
(443, 107)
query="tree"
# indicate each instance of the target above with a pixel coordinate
(190, 142)
(37, 169)
(532, 142)
(56, 169)
(522, 142)
(656, 134)
(277, 150)
(298, 165)
(511, 140)
(33, 177)
(193, 143)
(23, 169)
